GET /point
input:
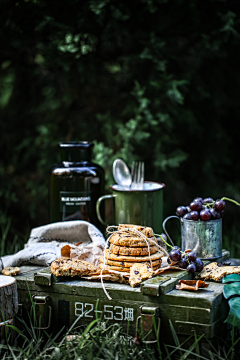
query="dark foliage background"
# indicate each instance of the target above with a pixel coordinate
(155, 80)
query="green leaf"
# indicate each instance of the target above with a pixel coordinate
(232, 289)
(234, 313)
(230, 278)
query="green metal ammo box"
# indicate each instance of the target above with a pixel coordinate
(58, 302)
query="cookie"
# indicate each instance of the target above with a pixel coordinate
(71, 267)
(139, 273)
(128, 263)
(125, 239)
(147, 231)
(155, 256)
(135, 251)
(216, 273)
(11, 271)
(119, 268)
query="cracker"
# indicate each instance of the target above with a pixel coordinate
(216, 273)
(155, 256)
(205, 273)
(71, 267)
(128, 263)
(135, 251)
(147, 231)
(126, 239)
(11, 271)
(139, 273)
(124, 269)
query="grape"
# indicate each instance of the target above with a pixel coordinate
(183, 263)
(176, 247)
(191, 268)
(202, 209)
(196, 205)
(205, 214)
(192, 256)
(199, 265)
(215, 214)
(193, 215)
(175, 254)
(222, 213)
(219, 205)
(208, 200)
(181, 211)
(198, 199)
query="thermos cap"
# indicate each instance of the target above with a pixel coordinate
(76, 151)
(76, 144)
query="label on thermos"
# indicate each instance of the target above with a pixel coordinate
(71, 201)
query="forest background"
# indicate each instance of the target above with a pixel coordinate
(151, 80)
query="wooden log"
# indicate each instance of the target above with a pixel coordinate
(8, 307)
(8, 298)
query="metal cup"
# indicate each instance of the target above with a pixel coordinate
(137, 206)
(202, 237)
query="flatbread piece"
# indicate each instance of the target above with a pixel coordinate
(139, 273)
(216, 273)
(11, 271)
(71, 267)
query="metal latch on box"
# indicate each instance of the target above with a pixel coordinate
(43, 279)
(149, 324)
(152, 286)
(41, 312)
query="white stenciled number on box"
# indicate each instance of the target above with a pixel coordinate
(119, 313)
(109, 312)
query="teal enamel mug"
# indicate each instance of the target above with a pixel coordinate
(139, 207)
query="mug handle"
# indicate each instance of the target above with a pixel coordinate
(172, 216)
(104, 197)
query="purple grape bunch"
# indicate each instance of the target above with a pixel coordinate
(188, 261)
(202, 209)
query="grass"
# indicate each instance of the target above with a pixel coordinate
(95, 342)
(9, 246)
(100, 341)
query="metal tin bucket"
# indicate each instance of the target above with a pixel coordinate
(202, 237)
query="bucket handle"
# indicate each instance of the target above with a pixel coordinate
(164, 228)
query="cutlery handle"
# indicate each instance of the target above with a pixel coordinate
(104, 197)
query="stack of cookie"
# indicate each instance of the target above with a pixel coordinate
(128, 247)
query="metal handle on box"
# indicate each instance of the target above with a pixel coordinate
(148, 317)
(43, 306)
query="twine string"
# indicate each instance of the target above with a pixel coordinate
(129, 231)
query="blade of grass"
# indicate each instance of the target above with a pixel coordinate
(4, 236)
(5, 328)
(168, 354)
(156, 334)
(197, 345)
(14, 357)
(175, 337)
(190, 350)
(18, 331)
